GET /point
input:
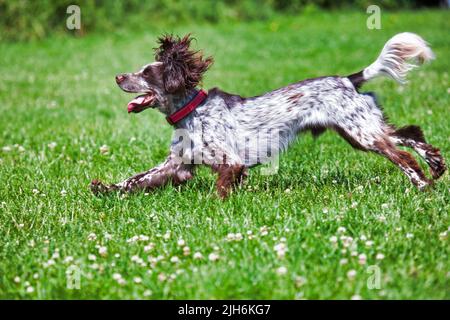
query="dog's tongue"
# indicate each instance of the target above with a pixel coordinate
(139, 103)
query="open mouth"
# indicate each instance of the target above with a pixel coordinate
(141, 102)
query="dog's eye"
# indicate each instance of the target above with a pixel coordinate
(147, 72)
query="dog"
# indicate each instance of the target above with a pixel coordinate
(226, 131)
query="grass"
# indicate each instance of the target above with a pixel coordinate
(62, 91)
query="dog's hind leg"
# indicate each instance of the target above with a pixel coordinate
(380, 142)
(413, 137)
(404, 160)
(169, 171)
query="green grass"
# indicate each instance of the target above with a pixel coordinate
(62, 90)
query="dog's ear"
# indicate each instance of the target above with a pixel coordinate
(183, 68)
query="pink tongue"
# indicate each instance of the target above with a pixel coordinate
(138, 101)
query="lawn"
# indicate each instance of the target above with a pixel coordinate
(344, 216)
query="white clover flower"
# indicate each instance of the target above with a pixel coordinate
(6, 149)
(354, 204)
(351, 274)
(384, 206)
(175, 259)
(443, 235)
(104, 149)
(166, 235)
(92, 237)
(264, 230)
(230, 237)
(92, 257)
(300, 281)
(346, 241)
(343, 261)
(103, 251)
(143, 238)
(213, 257)
(117, 276)
(325, 210)
(30, 289)
(379, 256)
(35, 191)
(147, 293)
(17, 279)
(133, 239)
(68, 259)
(369, 243)
(409, 236)
(52, 145)
(137, 280)
(149, 247)
(287, 190)
(181, 242)
(281, 271)
(186, 250)
(49, 263)
(117, 255)
(356, 297)
(137, 259)
(280, 249)
(107, 236)
(121, 281)
(172, 277)
(333, 239)
(94, 266)
(198, 256)
(238, 237)
(362, 259)
(162, 277)
(341, 230)
(63, 192)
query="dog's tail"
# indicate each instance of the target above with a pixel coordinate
(400, 54)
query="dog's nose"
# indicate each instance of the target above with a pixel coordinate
(120, 78)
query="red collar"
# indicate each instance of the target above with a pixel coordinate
(187, 108)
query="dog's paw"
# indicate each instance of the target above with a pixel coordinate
(427, 186)
(98, 188)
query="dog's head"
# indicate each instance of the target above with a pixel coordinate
(177, 70)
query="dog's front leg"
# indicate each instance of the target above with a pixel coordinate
(230, 175)
(169, 171)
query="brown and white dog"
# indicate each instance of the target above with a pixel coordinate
(230, 133)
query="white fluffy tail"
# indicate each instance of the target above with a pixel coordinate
(400, 54)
